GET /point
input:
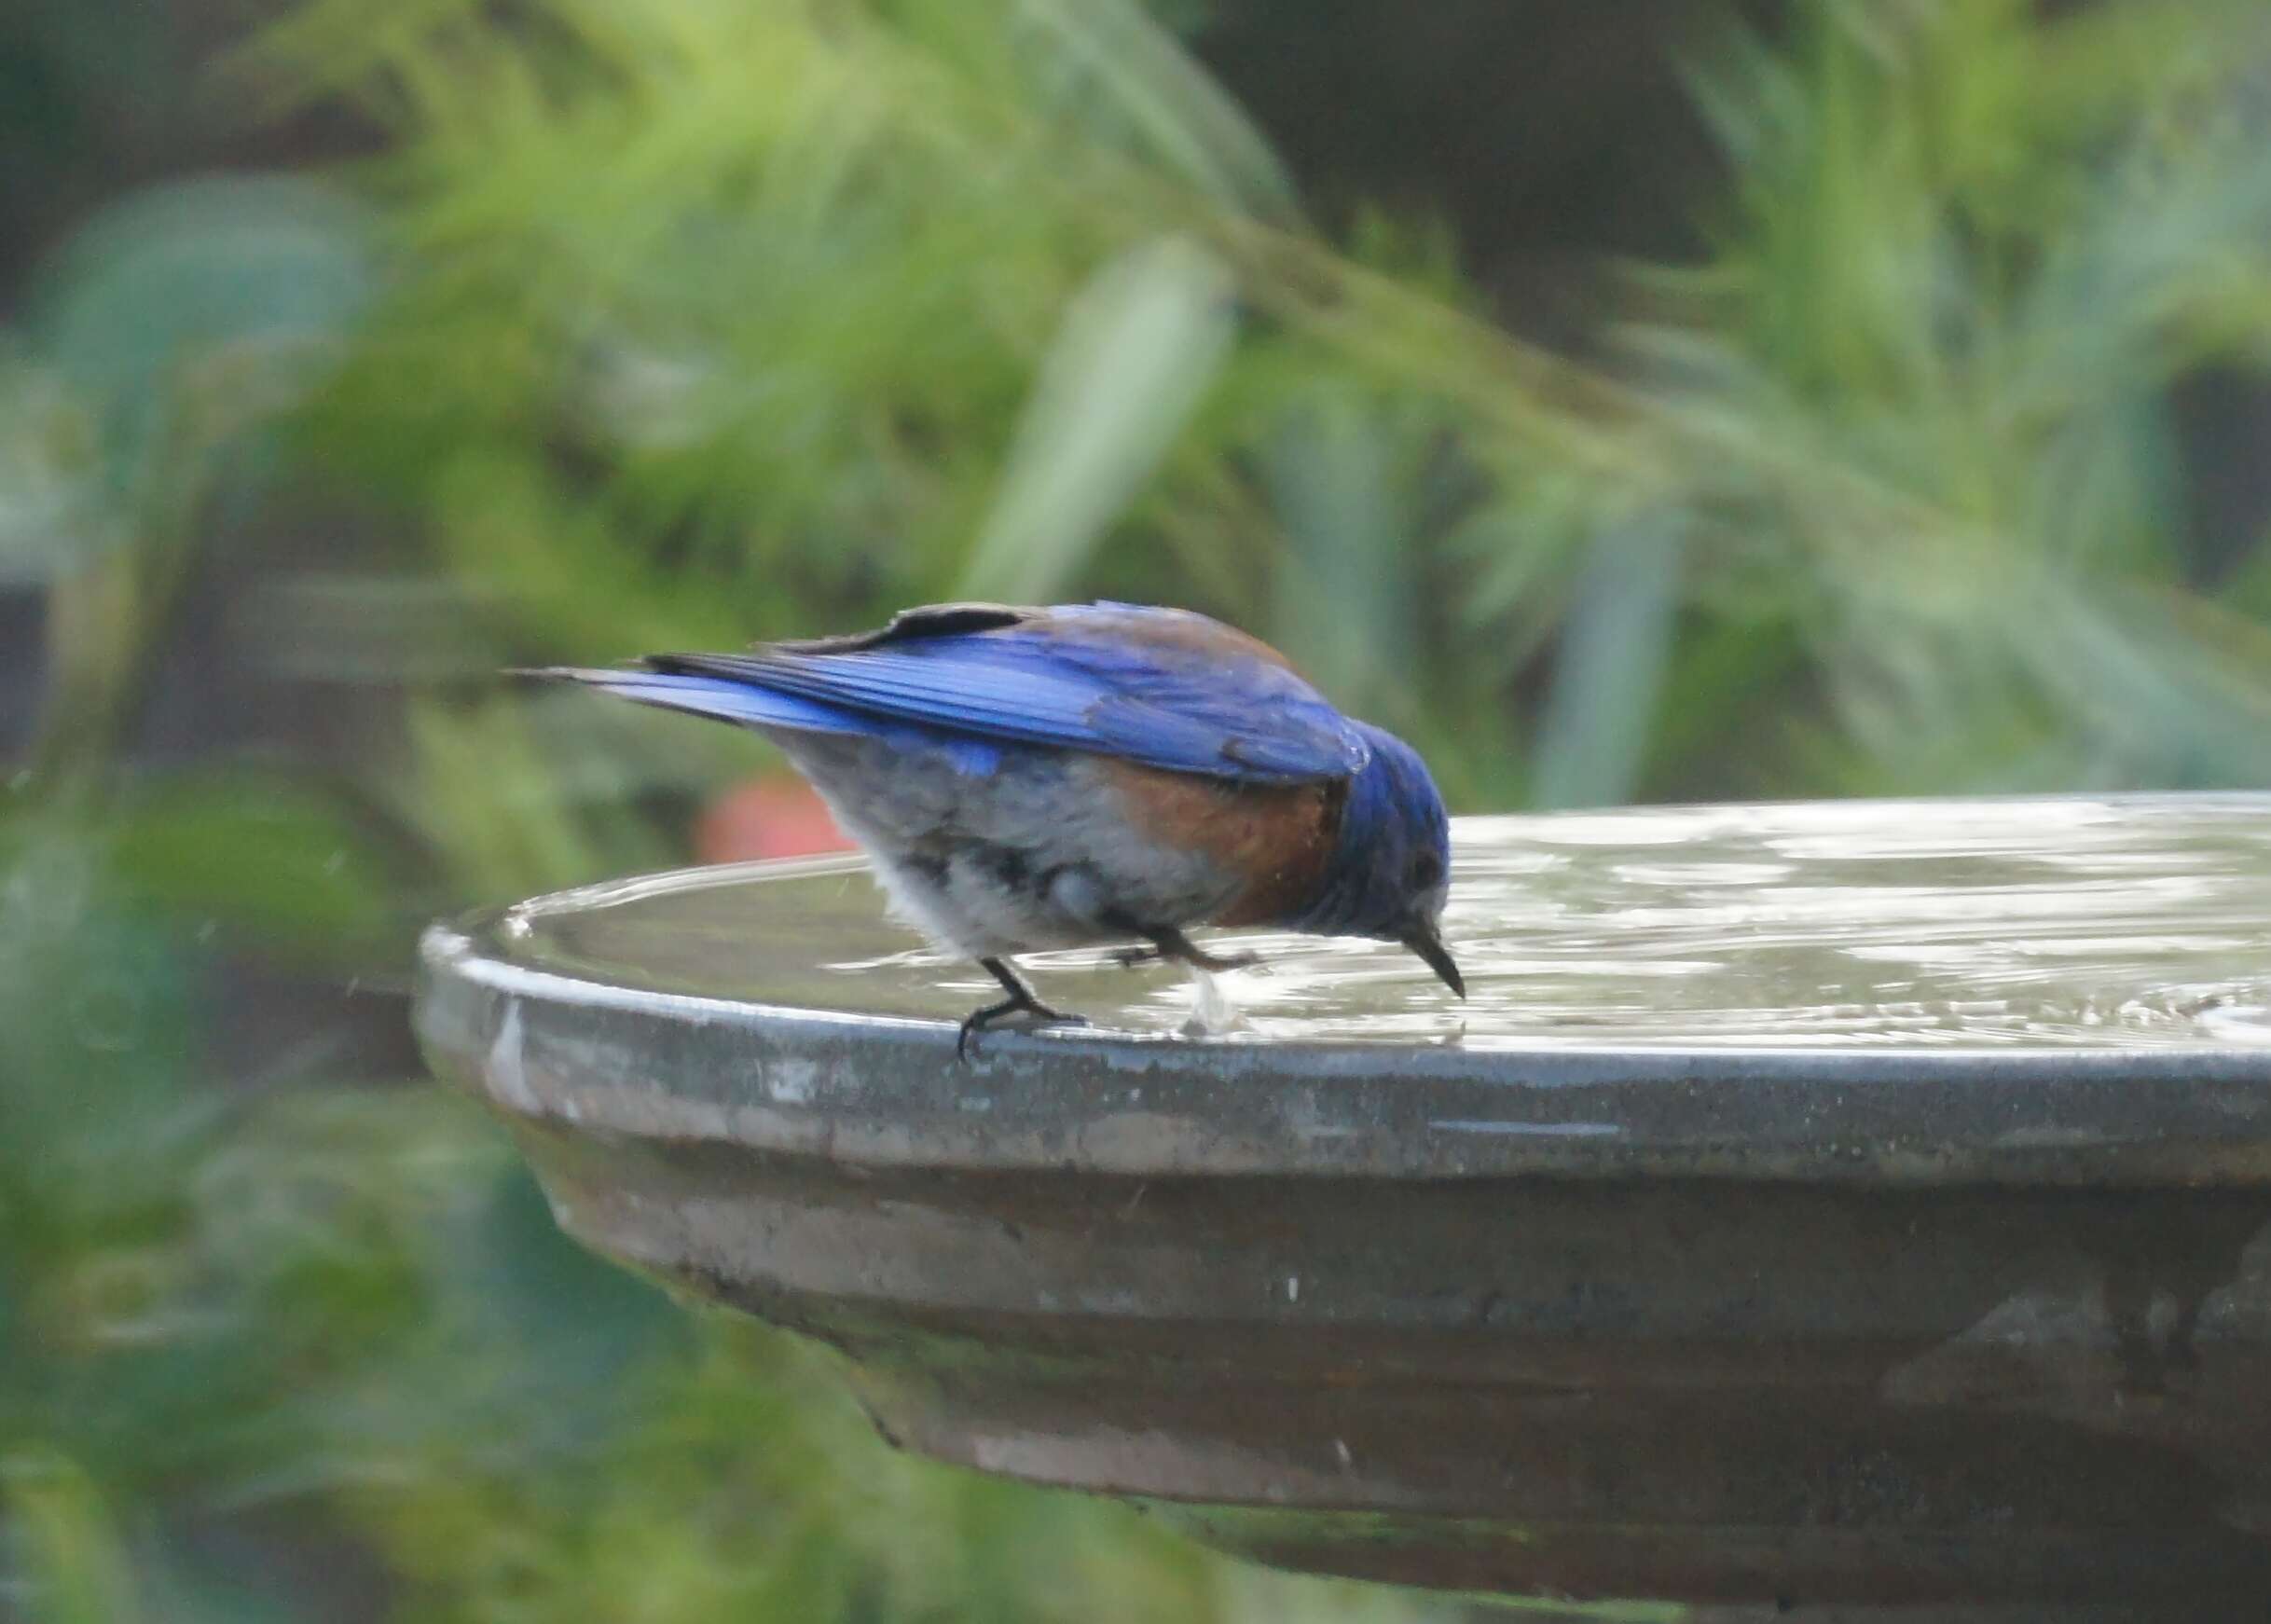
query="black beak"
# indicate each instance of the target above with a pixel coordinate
(1429, 946)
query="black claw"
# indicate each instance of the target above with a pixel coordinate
(985, 1020)
(1022, 1001)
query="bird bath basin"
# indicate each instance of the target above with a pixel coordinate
(1816, 1206)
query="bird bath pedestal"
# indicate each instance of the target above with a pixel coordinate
(1838, 1205)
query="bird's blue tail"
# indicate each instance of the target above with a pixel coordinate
(713, 696)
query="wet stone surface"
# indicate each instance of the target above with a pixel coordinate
(1855, 1210)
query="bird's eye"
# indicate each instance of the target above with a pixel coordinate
(1427, 871)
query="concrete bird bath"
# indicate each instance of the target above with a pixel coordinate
(1819, 1206)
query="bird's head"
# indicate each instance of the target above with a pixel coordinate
(1390, 872)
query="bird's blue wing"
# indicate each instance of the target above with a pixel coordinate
(1158, 687)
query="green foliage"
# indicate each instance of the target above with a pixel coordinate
(677, 323)
(265, 857)
(752, 1488)
(68, 1544)
(843, 308)
(156, 347)
(214, 1306)
(1969, 258)
(209, 300)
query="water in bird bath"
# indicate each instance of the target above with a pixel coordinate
(2054, 923)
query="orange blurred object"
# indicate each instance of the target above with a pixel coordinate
(767, 818)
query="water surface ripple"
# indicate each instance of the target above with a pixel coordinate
(2058, 923)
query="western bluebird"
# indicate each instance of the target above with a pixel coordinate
(1031, 778)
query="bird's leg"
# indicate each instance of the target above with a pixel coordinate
(1022, 1001)
(1170, 944)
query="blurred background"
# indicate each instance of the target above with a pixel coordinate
(1665, 400)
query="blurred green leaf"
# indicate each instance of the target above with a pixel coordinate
(264, 859)
(51, 513)
(215, 297)
(87, 993)
(1107, 56)
(1608, 679)
(71, 1561)
(1337, 474)
(1139, 348)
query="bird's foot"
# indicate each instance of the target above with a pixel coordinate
(1022, 1014)
(1219, 962)
(1174, 944)
(1022, 1006)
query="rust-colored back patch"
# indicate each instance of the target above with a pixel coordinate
(1208, 638)
(1279, 837)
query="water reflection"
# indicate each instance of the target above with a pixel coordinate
(2120, 921)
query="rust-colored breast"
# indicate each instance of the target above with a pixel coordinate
(1278, 836)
